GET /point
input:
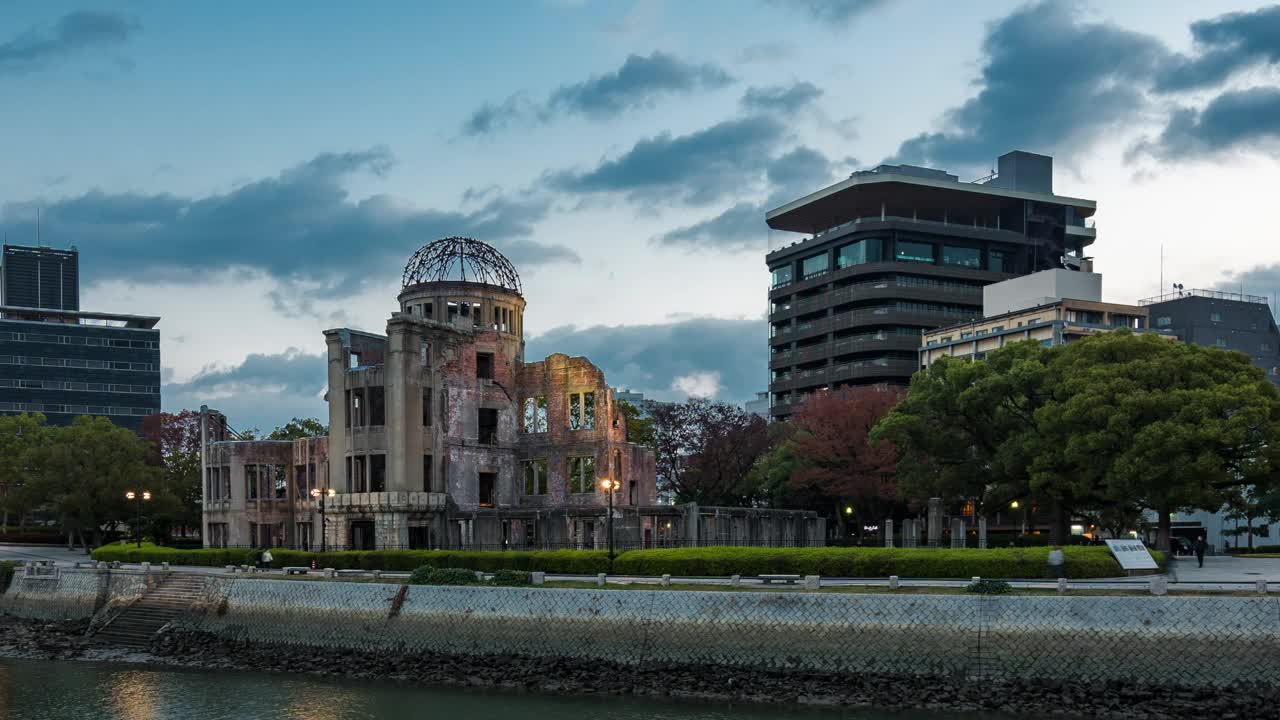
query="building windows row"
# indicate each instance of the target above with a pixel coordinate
(265, 482)
(582, 412)
(366, 406)
(218, 482)
(582, 475)
(29, 384)
(580, 471)
(80, 340)
(77, 363)
(872, 250)
(95, 410)
(815, 265)
(367, 473)
(867, 250)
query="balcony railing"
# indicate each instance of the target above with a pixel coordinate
(782, 242)
(867, 289)
(1213, 294)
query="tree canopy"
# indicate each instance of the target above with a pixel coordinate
(299, 428)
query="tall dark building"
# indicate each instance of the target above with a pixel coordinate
(1229, 320)
(897, 250)
(41, 277)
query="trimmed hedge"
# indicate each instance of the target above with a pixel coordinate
(446, 576)
(1081, 562)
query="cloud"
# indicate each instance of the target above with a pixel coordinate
(638, 83)
(765, 53)
(832, 12)
(781, 98)
(262, 391)
(1231, 120)
(1226, 44)
(1257, 280)
(298, 227)
(699, 384)
(74, 33)
(741, 228)
(697, 168)
(1049, 82)
(652, 358)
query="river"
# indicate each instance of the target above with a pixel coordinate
(42, 690)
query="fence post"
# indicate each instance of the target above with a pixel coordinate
(812, 582)
(893, 582)
(935, 522)
(666, 581)
(958, 536)
(1261, 586)
(735, 580)
(600, 579)
(1062, 586)
(888, 533)
(1159, 585)
(538, 578)
(982, 533)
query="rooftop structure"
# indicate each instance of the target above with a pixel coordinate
(40, 277)
(1224, 319)
(898, 250)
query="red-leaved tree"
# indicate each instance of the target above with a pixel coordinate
(835, 459)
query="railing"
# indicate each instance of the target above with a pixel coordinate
(860, 290)
(881, 315)
(775, 245)
(1213, 294)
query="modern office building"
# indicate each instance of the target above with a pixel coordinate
(68, 363)
(1229, 320)
(897, 250)
(40, 277)
(1053, 307)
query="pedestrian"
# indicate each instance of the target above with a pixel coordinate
(1200, 548)
(1056, 562)
(265, 559)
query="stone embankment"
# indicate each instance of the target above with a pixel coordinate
(568, 676)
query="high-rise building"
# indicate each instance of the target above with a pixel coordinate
(41, 277)
(897, 250)
(59, 361)
(1217, 318)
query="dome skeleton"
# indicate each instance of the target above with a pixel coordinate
(460, 258)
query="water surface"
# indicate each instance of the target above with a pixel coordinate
(41, 690)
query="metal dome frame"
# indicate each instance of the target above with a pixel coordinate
(470, 259)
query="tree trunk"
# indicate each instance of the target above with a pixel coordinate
(1058, 532)
(1163, 528)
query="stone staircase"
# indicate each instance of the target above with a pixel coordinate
(137, 624)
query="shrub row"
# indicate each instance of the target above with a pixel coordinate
(1081, 562)
(6, 574)
(427, 575)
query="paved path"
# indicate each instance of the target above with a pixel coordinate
(1218, 573)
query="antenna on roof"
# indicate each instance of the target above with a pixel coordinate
(37, 227)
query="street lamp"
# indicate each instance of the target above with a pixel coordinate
(321, 495)
(1014, 506)
(138, 498)
(609, 486)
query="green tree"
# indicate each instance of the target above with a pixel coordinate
(639, 428)
(297, 429)
(1166, 425)
(967, 429)
(85, 470)
(20, 437)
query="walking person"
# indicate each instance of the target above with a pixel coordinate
(1056, 562)
(1200, 548)
(264, 560)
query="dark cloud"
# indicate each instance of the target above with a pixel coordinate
(651, 358)
(697, 168)
(73, 33)
(781, 98)
(1257, 280)
(1049, 82)
(832, 12)
(1225, 45)
(300, 225)
(638, 83)
(264, 391)
(1232, 120)
(741, 228)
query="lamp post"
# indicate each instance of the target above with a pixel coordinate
(609, 486)
(1014, 506)
(321, 495)
(138, 497)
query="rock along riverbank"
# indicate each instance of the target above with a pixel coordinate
(1015, 698)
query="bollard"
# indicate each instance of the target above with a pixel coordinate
(103, 566)
(330, 573)
(1062, 586)
(377, 574)
(146, 567)
(600, 579)
(1261, 586)
(812, 582)
(538, 578)
(666, 581)
(1159, 585)
(480, 576)
(231, 568)
(735, 580)
(976, 579)
(893, 582)
(164, 567)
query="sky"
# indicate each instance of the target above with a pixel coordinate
(256, 173)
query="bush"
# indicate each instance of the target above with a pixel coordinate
(577, 562)
(6, 574)
(206, 557)
(420, 575)
(451, 576)
(512, 578)
(989, 587)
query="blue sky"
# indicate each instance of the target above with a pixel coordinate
(257, 172)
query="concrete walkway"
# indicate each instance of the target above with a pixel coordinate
(1219, 573)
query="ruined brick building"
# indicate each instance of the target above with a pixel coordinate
(441, 435)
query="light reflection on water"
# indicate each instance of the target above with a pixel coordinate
(33, 690)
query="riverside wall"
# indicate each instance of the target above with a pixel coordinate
(1183, 641)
